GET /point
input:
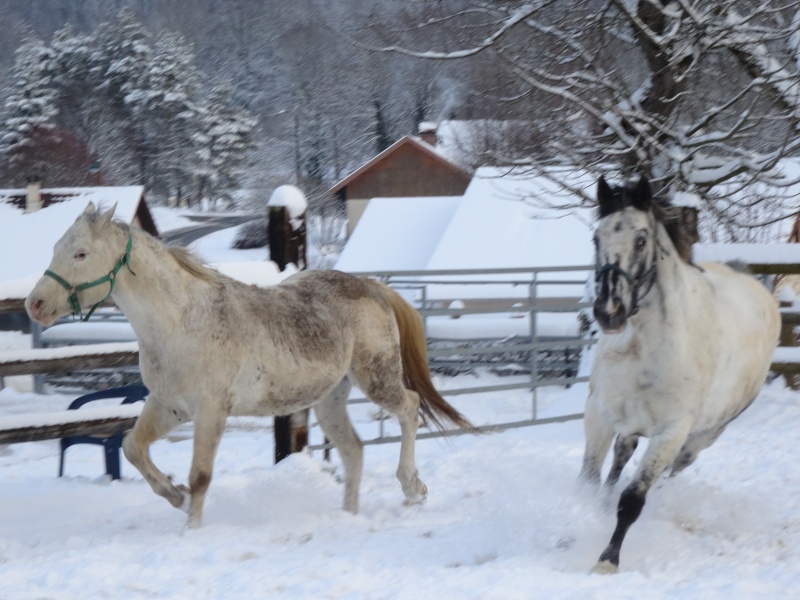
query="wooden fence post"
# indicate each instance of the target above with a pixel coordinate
(286, 230)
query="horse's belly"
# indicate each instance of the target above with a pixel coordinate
(262, 394)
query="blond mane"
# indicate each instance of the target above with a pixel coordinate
(190, 263)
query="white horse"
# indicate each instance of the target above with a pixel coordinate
(210, 347)
(683, 350)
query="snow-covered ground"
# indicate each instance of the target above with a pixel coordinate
(503, 517)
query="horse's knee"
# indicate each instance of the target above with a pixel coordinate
(131, 449)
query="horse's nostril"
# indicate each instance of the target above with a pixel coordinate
(36, 307)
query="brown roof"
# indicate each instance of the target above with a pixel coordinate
(416, 143)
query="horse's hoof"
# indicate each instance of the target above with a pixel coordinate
(605, 567)
(419, 497)
(193, 523)
(186, 500)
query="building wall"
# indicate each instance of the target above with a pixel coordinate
(408, 172)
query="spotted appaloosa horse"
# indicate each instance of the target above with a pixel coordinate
(683, 349)
(210, 346)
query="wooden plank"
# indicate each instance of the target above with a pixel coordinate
(101, 427)
(769, 269)
(12, 305)
(28, 366)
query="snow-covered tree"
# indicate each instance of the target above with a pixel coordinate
(223, 144)
(30, 111)
(166, 108)
(135, 105)
(701, 96)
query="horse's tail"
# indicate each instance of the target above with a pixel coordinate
(416, 375)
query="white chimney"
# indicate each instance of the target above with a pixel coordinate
(33, 195)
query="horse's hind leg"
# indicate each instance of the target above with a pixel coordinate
(335, 422)
(380, 378)
(408, 416)
(154, 422)
(692, 448)
(624, 448)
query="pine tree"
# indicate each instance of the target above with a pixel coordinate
(222, 146)
(30, 109)
(167, 104)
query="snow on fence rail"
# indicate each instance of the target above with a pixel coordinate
(762, 259)
(103, 422)
(67, 358)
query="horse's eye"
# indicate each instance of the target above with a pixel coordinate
(80, 255)
(641, 242)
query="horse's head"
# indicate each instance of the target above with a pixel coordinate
(625, 245)
(82, 271)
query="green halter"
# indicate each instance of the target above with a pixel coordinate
(111, 277)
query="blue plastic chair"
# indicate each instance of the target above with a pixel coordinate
(111, 445)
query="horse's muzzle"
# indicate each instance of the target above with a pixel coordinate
(611, 314)
(41, 307)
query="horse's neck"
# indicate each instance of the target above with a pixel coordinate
(154, 299)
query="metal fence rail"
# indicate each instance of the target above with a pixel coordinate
(534, 305)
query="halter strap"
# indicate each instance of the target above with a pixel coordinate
(647, 278)
(111, 277)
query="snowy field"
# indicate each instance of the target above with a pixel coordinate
(503, 518)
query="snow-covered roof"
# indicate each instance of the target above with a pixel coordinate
(29, 237)
(510, 218)
(397, 234)
(506, 219)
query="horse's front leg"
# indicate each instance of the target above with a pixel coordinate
(660, 454)
(599, 435)
(624, 448)
(209, 425)
(155, 421)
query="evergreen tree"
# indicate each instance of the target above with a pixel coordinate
(120, 65)
(167, 107)
(30, 108)
(223, 142)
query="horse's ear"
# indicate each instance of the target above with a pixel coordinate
(106, 216)
(643, 197)
(605, 198)
(90, 209)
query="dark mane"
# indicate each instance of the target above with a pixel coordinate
(617, 198)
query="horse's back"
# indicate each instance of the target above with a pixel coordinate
(746, 310)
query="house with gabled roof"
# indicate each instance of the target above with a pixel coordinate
(508, 217)
(410, 167)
